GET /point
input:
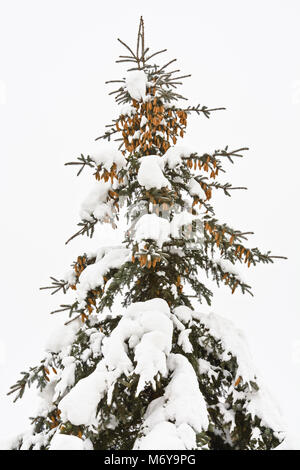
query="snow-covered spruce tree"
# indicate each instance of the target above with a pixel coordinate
(152, 372)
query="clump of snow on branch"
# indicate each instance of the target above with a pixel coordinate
(174, 155)
(159, 229)
(106, 156)
(67, 442)
(80, 404)
(60, 339)
(233, 342)
(93, 274)
(195, 188)
(181, 410)
(95, 203)
(262, 404)
(136, 82)
(150, 173)
(150, 226)
(147, 329)
(228, 267)
(127, 110)
(180, 220)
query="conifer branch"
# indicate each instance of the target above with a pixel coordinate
(88, 228)
(205, 110)
(83, 161)
(57, 285)
(155, 54)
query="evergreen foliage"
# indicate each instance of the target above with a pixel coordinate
(167, 271)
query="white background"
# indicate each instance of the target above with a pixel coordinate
(55, 58)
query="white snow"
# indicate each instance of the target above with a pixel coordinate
(136, 135)
(93, 274)
(183, 404)
(263, 405)
(184, 342)
(150, 173)
(174, 155)
(10, 442)
(127, 110)
(291, 442)
(136, 82)
(233, 341)
(165, 436)
(107, 156)
(144, 121)
(228, 267)
(67, 376)
(180, 220)
(46, 398)
(70, 277)
(206, 367)
(95, 203)
(159, 229)
(80, 404)
(62, 337)
(67, 442)
(195, 188)
(148, 330)
(95, 342)
(150, 226)
(36, 441)
(183, 313)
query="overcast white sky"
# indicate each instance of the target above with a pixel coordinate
(55, 57)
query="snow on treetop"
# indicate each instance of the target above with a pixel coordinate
(136, 82)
